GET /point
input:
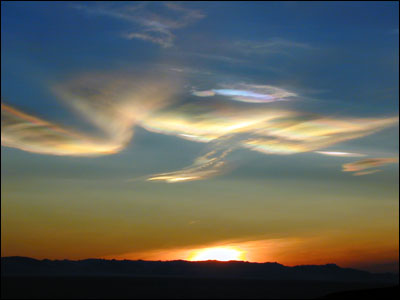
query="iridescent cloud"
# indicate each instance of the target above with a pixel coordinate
(368, 163)
(366, 172)
(250, 93)
(264, 130)
(209, 122)
(340, 154)
(26, 132)
(209, 165)
(112, 103)
(116, 103)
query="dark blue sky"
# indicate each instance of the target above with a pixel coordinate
(347, 50)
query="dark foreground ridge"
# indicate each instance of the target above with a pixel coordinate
(24, 266)
(103, 279)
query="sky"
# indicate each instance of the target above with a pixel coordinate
(137, 130)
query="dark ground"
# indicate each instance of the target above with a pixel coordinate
(179, 288)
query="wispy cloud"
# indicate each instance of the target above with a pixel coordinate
(164, 39)
(209, 165)
(190, 71)
(244, 51)
(156, 21)
(368, 163)
(270, 46)
(366, 172)
(216, 57)
(112, 103)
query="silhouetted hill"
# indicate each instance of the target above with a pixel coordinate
(23, 266)
(26, 278)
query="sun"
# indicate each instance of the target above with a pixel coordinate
(217, 253)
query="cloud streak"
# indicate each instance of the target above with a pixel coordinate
(206, 166)
(366, 172)
(364, 164)
(271, 46)
(249, 93)
(156, 21)
(340, 154)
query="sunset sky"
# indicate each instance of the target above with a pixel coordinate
(257, 131)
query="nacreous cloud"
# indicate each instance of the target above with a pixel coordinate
(249, 93)
(366, 172)
(340, 154)
(264, 130)
(368, 163)
(114, 104)
(206, 166)
(26, 132)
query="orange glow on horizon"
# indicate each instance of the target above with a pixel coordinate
(286, 251)
(217, 253)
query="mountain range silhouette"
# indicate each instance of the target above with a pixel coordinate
(24, 277)
(24, 266)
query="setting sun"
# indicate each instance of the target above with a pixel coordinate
(218, 253)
